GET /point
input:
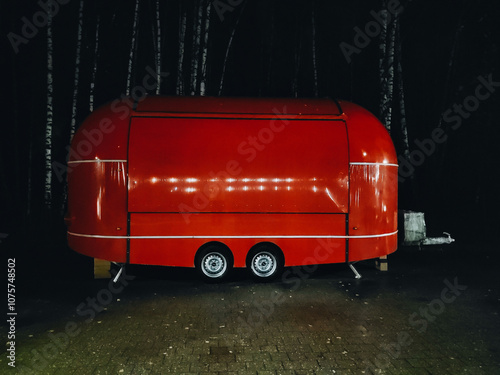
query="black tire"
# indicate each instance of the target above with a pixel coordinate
(214, 263)
(265, 262)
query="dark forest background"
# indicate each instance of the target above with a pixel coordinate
(428, 61)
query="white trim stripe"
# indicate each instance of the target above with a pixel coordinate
(363, 163)
(227, 237)
(124, 161)
(97, 161)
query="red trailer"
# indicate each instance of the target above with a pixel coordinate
(216, 183)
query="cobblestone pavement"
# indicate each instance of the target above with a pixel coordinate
(434, 312)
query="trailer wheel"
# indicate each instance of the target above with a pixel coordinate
(214, 262)
(265, 262)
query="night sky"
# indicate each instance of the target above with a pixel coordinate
(450, 61)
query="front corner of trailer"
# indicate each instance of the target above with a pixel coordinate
(373, 194)
(96, 218)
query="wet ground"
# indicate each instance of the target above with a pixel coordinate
(434, 312)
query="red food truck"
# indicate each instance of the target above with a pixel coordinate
(217, 183)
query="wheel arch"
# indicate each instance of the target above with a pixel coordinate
(271, 245)
(221, 245)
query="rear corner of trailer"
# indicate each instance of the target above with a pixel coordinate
(96, 217)
(373, 191)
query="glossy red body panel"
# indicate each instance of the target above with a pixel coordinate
(104, 134)
(239, 231)
(316, 178)
(373, 205)
(211, 165)
(369, 142)
(240, 107)
(97, 206)
(373, 178)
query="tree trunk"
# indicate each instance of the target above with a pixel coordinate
(133, 48)
(158, 48)
(392, 100)
(77, 71)
(182, 41)
(402, 109)
(229, 44)
(94, 70)
(50, 117)
(386, 98)
(203, 82)
(391, 44)
(315, 68)
(195, 56)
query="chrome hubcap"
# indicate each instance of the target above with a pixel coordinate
(264, 264)
(214, 265)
